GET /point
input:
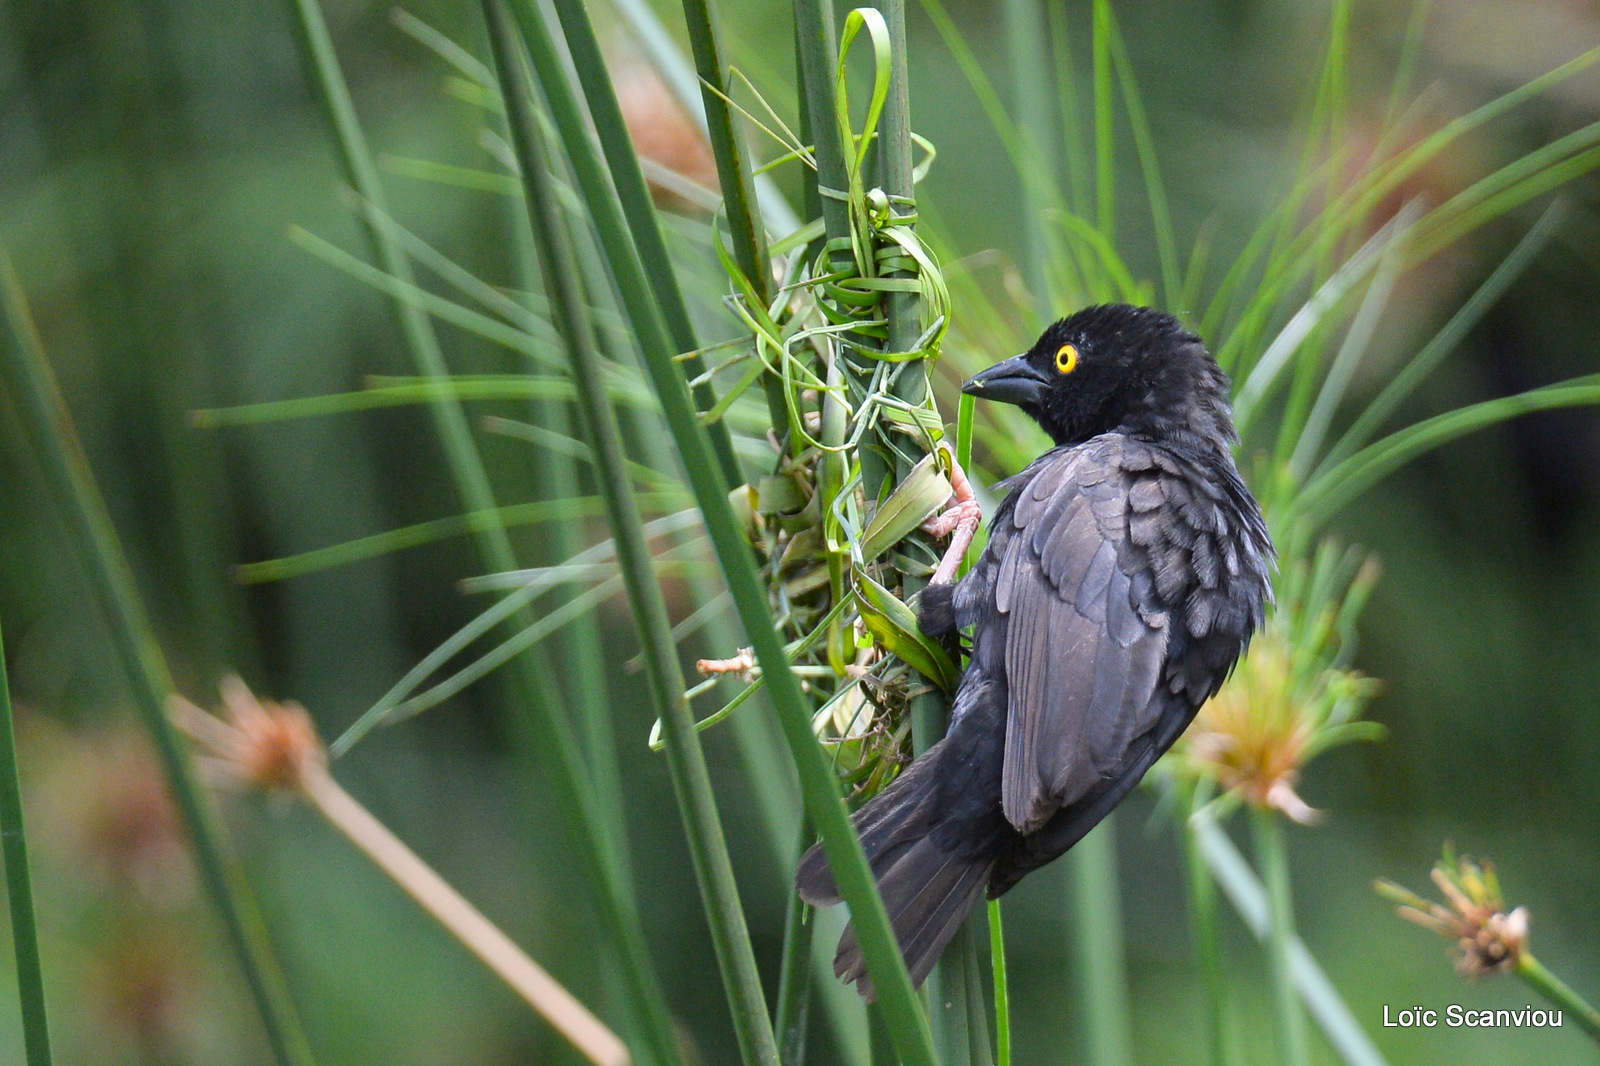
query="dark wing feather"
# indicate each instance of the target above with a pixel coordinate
(1084, 643)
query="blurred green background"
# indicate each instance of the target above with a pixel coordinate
(152, 154)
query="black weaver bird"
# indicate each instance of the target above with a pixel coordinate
(1123, 577)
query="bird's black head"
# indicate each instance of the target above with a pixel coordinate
(1116, 367)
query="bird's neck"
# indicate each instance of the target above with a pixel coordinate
(1189, 409)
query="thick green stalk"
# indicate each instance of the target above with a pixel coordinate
(597, 845)
(818, 785)
(616, 240)
(749, 238)
(1096, 918)
(1002, 986)
(19, 888)
(33, 388)
(1556, 991)
(1203, 922)
(739, 203)
(685, 758)
(633, 195)
(794, 977)
(818, 45)
(894, 174)
(880, 1042)
(1272, 854)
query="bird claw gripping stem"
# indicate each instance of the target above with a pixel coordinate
(959, 521)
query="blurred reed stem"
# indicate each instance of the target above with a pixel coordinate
(48, 424)
(579, 641)
(1239, 883)
(794, 976)
(1100, 972)
(1206, 933)
(685, 758)
(1556, 991)
(1272, 854)
(466, 466)
(1028, 51)
(1105, 149)
(633, 196)
(818, 785)
(464, 921)
(537, 693)
(1002, 986)
(594, 181)
(19, 888)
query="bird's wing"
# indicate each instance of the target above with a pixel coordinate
(1085, 637)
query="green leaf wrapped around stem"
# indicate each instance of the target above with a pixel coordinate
(686, 760)
(48, 424)
(19, 889)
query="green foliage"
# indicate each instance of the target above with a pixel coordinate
(841, 323)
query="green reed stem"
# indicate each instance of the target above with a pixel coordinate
(1556, 991)
(794, 976)
(740, 205)
(819, 788)
(1028, 52)
(1272, 854)
(633, 196)
(535, 687)
(930, 713)
(880, 1041)
(1205, 930)
(1002, 986)
(49, 427)
(579, 641)
(749, 238)
(685, 758)
(818, 44)
(1098, 954)
(1234, 876)
(465, 464)
(1105, 149)
(19, 888)
(594, 181)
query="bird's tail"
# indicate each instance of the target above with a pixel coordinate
(927, 889)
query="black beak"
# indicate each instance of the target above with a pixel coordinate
(1014, 381)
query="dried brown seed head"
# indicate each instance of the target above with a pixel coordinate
(258, 744)
(1488, 939)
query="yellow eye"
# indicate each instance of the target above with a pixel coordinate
(1066, 359)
